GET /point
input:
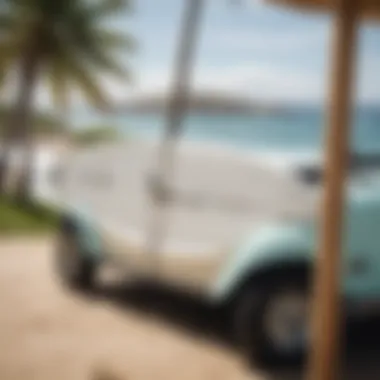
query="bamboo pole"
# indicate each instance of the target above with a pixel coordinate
(325, 354)
(176, 112)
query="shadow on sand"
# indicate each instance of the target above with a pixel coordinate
(361, 360)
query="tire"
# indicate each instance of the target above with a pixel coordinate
(266, 333)
(74, 268)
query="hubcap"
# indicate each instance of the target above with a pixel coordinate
(286, 322)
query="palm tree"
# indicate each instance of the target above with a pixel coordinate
(67, 45)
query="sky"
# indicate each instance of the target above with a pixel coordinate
(251, 49)
(246, 48)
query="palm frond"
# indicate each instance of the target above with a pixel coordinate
(105, 63)
(78, 49)
(106, 8)
(59, 84)
(43, 122)
(8, 55)
(112, 39)
(88, 84)
(9, 50)
(6, 22)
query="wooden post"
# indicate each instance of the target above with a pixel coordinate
(325, 352)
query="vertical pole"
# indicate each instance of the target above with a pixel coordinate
(176, 113)
(326, 312)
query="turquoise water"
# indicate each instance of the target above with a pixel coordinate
(290, 131)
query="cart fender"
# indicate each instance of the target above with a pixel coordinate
(88, 232)
(269, 248)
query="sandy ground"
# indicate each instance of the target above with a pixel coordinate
(48, 333)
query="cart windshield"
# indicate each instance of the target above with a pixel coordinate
(363, 169)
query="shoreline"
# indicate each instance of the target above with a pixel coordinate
(277, 158)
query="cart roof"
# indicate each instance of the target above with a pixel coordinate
(369, 9)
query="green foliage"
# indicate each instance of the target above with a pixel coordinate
(32, 218)
(95, 135)
(43, 124)
(72, 42)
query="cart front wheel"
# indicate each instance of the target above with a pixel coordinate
(272, 320)
(73, 266)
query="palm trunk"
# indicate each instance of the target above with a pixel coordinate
(4, 166)
(21, 124)
(24, 186)
(175, 115)
(5, 160)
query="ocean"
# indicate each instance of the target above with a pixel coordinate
(289, 132)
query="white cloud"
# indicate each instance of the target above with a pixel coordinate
(241, 4)
(368, 86)
(267, 82)
(248, 3)
(271, 41)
